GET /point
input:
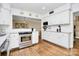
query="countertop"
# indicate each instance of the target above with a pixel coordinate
(59, 32)
(20, 30)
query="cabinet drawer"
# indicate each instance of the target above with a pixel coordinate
(61, 39)
(25, 44)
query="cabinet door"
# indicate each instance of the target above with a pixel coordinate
(1, 21)
(35, 37)
(60, 39)
(46, 36)
(55, 19)
(59, 18)
(64, 40)
(14, 41)
(57, 38)
(64, 17)
(5, 17)
(51, 20)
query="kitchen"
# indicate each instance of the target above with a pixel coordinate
(17, 40)
(50, 26)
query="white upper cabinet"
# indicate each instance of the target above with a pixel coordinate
(64, 17)
(24, 13)
(59, 18)
(5, 16)
(6, 6)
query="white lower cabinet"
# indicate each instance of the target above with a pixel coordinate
(35, 37)
(14, 40)
(61, 39)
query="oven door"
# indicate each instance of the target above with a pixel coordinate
(25, 38)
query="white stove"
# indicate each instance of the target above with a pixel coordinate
(25, 39)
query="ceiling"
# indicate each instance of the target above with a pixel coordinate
(41, 8)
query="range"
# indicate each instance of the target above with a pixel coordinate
(25, 39)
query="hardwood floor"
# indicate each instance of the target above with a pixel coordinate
(43, 49)
(0, 53)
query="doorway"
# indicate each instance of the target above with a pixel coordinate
(76, 30)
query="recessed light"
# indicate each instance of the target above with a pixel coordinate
(43, 7)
